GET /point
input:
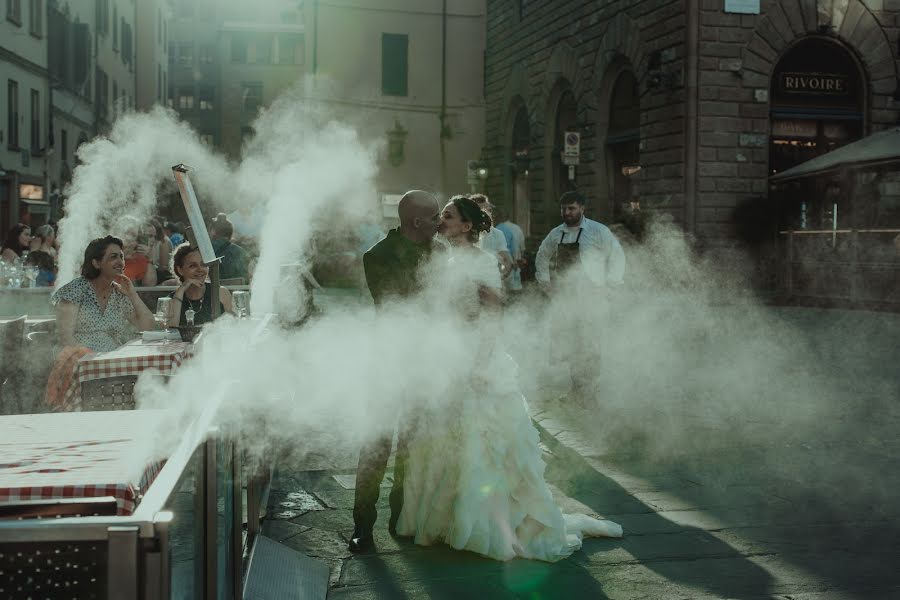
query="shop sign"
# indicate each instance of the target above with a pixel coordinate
(743, 7)
(794, 129)
(814, 83)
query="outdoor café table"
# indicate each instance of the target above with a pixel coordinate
(79, 455)
(130, 359)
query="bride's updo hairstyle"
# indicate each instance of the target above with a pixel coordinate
(470, 212)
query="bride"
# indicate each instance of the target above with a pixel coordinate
(475, 475)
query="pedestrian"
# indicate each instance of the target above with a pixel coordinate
(391, 267)
(515, 241)
(234, 263)
(576, 265)
(494, 241)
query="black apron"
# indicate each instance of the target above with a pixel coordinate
(566, 254)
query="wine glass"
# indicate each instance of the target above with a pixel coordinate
(162, 312)
(31, 273)
(241, 300)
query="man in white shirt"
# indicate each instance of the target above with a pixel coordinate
(494, 241)
(576, 265)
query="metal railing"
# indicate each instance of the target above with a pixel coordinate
(852, 266)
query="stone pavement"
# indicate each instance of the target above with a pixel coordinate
(757, 511)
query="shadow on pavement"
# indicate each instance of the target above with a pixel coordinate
(683, 556)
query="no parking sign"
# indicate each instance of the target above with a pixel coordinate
(571, 147)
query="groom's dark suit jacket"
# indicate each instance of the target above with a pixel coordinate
(392, 265)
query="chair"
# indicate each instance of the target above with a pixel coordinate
(12, 337)
(109, 393)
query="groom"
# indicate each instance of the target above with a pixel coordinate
(391, 268)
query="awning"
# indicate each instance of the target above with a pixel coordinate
(36, 207)
(878, 149)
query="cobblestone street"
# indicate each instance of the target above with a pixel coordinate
(804, 517)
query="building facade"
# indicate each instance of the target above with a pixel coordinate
(151, 72)
(409, 73)
(415, 69)
(24, 105)
(683, 107)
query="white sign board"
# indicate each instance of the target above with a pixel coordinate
(192, 208)
(742, 7)
(571, 147)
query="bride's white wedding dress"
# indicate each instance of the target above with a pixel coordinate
(475, 474)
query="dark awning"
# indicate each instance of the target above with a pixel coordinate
(878, 149)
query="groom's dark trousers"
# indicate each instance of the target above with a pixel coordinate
(373, 458)
(391, 268)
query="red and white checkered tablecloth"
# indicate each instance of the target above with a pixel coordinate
(79, 455)
(130, 359)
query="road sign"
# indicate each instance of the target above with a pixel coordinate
(571, 147)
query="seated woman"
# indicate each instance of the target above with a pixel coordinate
(44, 240)
(17, 241)
(46, 267)
(101, 309)
(193, 292)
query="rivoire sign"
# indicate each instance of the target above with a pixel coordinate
(814, 83)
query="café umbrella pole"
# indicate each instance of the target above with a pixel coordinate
(197, 233)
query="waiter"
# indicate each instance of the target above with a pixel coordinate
(575, 266)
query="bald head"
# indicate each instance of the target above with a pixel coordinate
(419, 214)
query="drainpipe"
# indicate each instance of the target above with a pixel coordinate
(443, 116)
(692, 101)
(315, 49)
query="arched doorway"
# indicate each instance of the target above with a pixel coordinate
(520, 166)
(565, 117)
(623, 140)
(817, 103)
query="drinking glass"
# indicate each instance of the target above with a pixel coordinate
(162, 312)
(241, 300)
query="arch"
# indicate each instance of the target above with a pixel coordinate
(516, 90)
(621, 42)
(561, 112)
(855, 26)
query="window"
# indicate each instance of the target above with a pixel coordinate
(36, 17)
(291, 49)
(127, 49)
(173, 53)
(159, 37)
(251, 96)
(205, 97)
(115, 97)
(170, 98)
(165, 86)
(247, 134)
(185, 99)
(12, 116)
(35, 121)
(205, 54)
(102, 95)
(186, 53)
(14, 11)
(63, 144)
(115, 23)
(394, 64)
(103, 16)
(159, 82)
(208, 139)
(239, 43)
(261, 49)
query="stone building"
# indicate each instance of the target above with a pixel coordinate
(686, 107)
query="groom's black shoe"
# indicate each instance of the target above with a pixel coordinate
(361, 542)
(392, 524)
